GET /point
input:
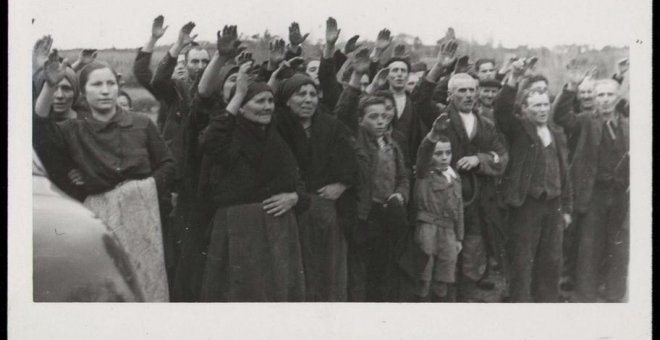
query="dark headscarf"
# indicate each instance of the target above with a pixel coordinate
(291, 85)
(254, 89)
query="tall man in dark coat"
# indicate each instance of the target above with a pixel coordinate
(479, 156)
(537, 189)
(600, 174)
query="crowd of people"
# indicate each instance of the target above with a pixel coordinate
(344, 178)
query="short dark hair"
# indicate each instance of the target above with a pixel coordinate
(536, 78)
(482, 61)
(195, 47)
(444, 139)
(369, 100)
(83, 76)
(385, 94)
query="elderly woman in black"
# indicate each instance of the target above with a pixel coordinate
(328, 165)
(254, 253)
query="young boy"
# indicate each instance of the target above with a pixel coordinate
(382, 194)
(439, 203)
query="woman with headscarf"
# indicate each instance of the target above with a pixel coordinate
(194, 208)
(328, 165)
(56, 101)
(123, 163)
(254, 253)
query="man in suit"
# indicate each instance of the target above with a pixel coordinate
(600, 173)
(479, 157)
(536, 188)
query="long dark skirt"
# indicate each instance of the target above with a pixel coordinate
(253, 257)
(324, 252)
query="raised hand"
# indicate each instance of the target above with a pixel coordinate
(518, 68)
(380, 79)
(54, 69)
(447, 54)
(440, 125)
(462, 65)
(41, 51)
(157, 29)
(508, 60)
(244, 57)
(331, 31)
(276, 52)
(575, 73)
(361, 62)
(228, 44)
(399, 51)
(185, 38)
(530, 65)
(622, 67)
(384, 39)
(295, 38)
(243, 78)
(86, 56)
(352, 45)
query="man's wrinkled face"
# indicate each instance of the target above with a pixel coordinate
(463, 94)
(197, 61)
(398, 75)
(585, 95)
(486, 71)
(537, 108)
(487, 95)
(312, 70)
(607, 96)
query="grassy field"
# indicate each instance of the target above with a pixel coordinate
(551, 62)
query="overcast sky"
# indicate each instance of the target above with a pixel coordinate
(126, 23)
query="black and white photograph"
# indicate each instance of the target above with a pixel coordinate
(298, 169)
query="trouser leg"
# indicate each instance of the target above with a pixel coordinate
(591, 248)
(357, 272)
(525, 233)
(547, 266)
(618, 248)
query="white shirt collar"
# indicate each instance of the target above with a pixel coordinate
(449, 174)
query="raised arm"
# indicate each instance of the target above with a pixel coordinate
(383, 41)
(162, 83)
(228, 47)
(562, 108)
(346, 109)
(327, 71)
(216, 141)
(141, 65)
(53, 72)
(295, 41)
(427, 147)
(504, 104)
(422, 95)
